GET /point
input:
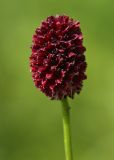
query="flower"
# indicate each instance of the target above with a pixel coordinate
(57, 61)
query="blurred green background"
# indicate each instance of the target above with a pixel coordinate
(31, 124)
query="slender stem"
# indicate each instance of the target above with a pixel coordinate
(66, 128)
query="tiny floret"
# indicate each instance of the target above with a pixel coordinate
(57, 60)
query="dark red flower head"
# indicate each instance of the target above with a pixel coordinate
(57, 61)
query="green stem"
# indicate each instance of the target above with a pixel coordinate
(66, 128)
